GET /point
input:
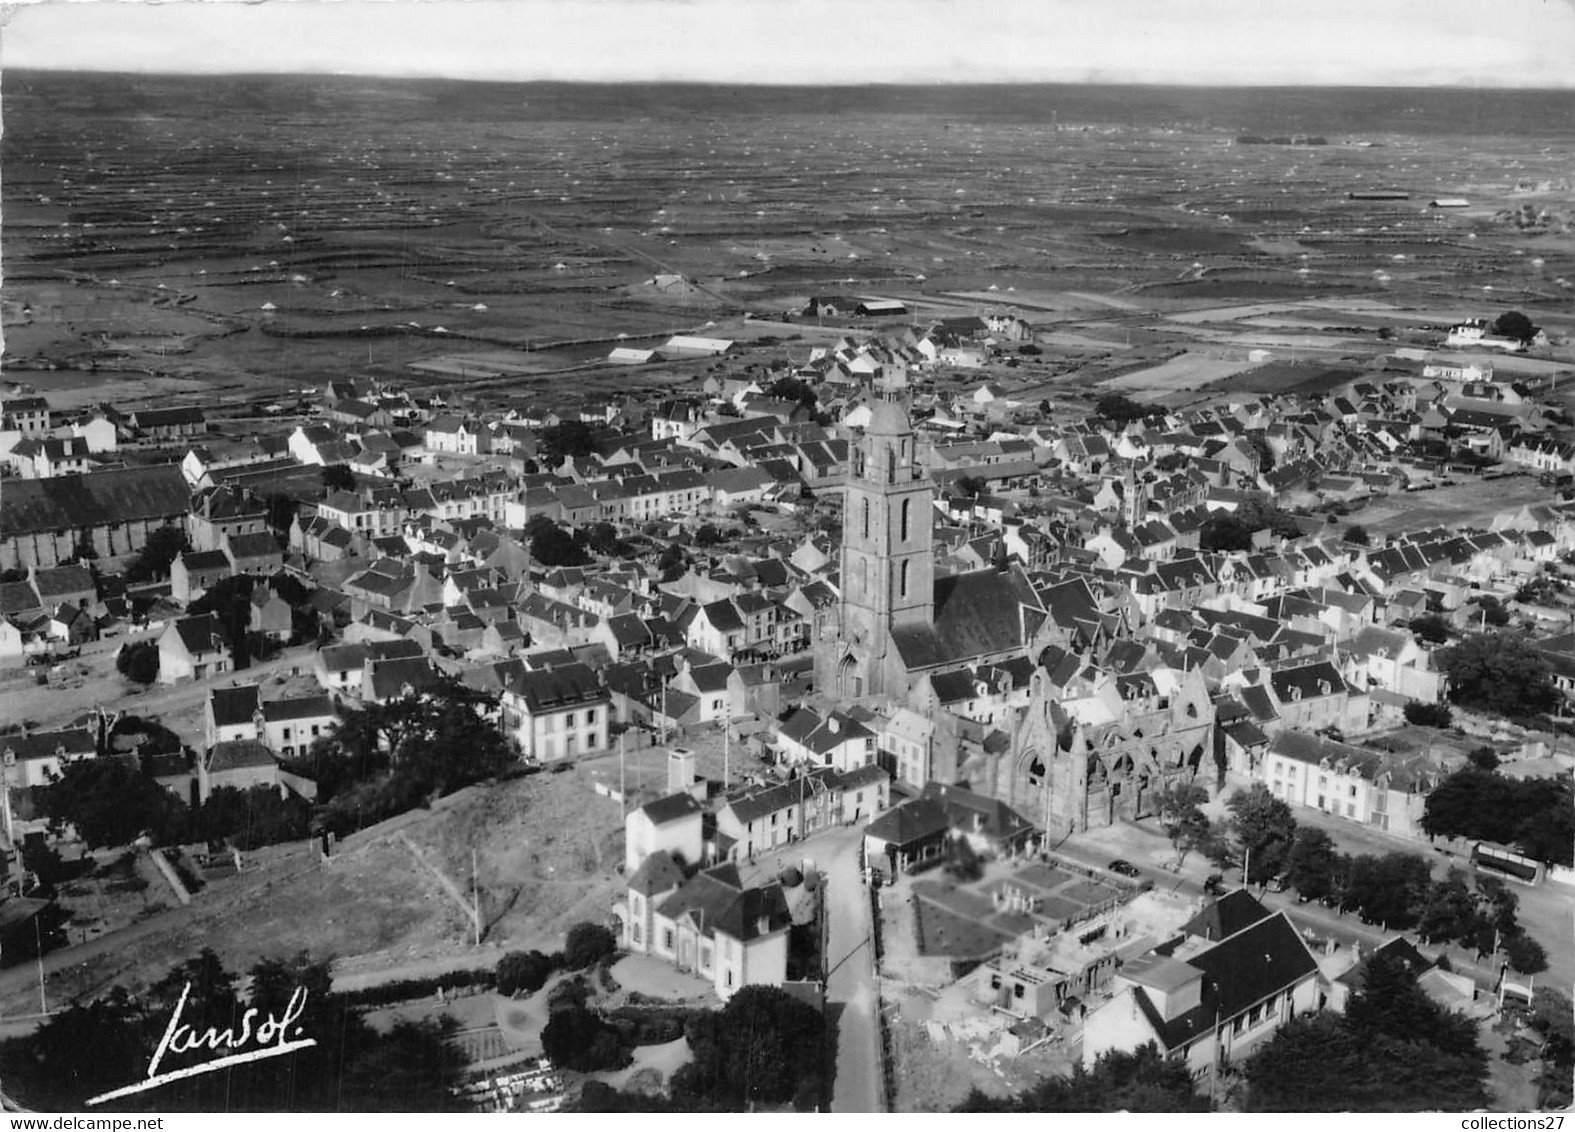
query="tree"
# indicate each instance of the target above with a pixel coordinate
(1483, 758)
(1525, 954)
(1119, 409)
(139, 661)
(251, 818)
(970, 487)
(1357, 534)
(158, 553)
(551, 545)
(1431, 628)
(1388, 890)
(526, 971)
(1513, 324)
(586, 945)
(1225, 533)
(1428, 715)
(1264, 828)
(572, 439)
(338, 477)
(384, 759)
(1139, 1081)
(1309, 864)
(1535, 814)
(961, 860)
(1171, 461)
(1554, 1018)
(578, 1039)
(230, 599)
(111, 802)
(1394, 1050)
(792, 388)
(708, 535)
(761, 1047)
(1450, 911)
(1178, 808)
(1499, 672)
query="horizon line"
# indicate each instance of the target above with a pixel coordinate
(1475, 85)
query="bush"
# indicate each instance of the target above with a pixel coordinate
(139, 661)
(406, 989)
(571, 994)
(526, 971)
(586, 945)
(1428, 715)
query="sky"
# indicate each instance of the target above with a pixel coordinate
(1469, 43)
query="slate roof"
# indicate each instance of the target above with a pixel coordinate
(389, 677)
(657, 873)
(976, 614)
(920, 819)
(1231, 913)
(239, 754)
(201, 634)
(233, 706)
(73, 502)
(554, 689)
(48, 744)
(299, 707)
(674, 807)
(717, 901)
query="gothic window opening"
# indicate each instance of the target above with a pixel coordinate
(866, 518)
(906, 505)
(1036, 772)
(902, 577)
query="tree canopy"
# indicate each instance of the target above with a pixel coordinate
(1513, 324)
(764, 1046)
(163, 546)
(1264, 828)
(568, 439)
(1393, 1050)
(1119, 409)
(1140, 1081)
(1537, 815)
(552, 545)
(338, 477)
(139, 661)
(111, 802)
(1499, 672)
(384, 759)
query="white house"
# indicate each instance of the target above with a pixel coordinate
(1210, 1006)
(710, 924)
(557, 713)
(193, 648)
(669, 825)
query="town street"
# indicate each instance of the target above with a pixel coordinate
(850, 986)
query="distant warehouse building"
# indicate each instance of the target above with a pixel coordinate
(688, 346)
(880, 308)
(629, 356)
(1450, 202)
(43, 522)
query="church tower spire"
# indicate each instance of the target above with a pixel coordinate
(888, 556)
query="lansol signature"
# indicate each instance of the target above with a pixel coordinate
(256, 1040)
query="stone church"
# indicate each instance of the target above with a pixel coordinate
(1101, 749)
(897, 623)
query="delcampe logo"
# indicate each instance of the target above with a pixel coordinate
(271, 1037)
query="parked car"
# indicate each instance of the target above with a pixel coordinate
(1124, 867)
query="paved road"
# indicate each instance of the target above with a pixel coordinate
(851, 985)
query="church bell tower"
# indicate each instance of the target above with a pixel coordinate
(888, 558)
